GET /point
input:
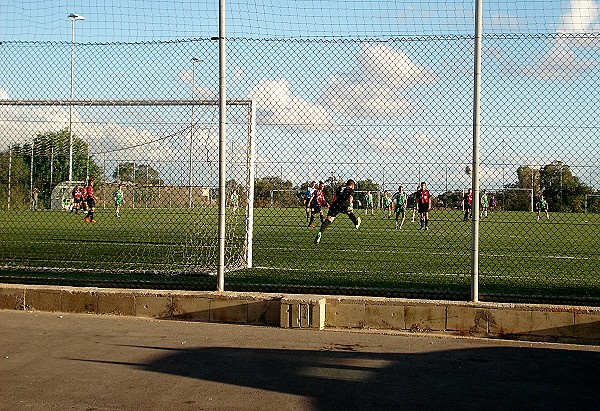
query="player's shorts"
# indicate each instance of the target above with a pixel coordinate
(423, 208)
(315, 207)
(335, 209)
(118, 203)
(467, 206)
(91, 202)
(77, 200)
(542, 209)
(400, 209)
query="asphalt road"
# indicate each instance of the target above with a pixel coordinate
(86, 362)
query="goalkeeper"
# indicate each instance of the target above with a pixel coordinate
(342, 203)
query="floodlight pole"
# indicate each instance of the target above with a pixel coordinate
(72, 17)
(476, 139)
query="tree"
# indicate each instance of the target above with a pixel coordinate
(19, 179)
(44, 162)
(563, 190)
(264, 186)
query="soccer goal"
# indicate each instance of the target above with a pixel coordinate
(169, 220)
(592, 203)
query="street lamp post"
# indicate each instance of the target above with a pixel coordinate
(194, 61)
(72, 17)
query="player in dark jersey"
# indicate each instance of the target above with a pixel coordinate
(467, 204)
(91, 201)
(424, 205)
(344, 197)
(316, 202)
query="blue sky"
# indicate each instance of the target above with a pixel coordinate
(405, 102)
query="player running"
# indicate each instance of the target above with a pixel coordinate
(118, 196)
(344, 197)
(542, 206)
(424, 205)
(91, 201)
(400, 200)
(316, 202)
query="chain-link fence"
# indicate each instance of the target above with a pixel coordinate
(388, 112)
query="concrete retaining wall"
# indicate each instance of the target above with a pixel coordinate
(525, 321)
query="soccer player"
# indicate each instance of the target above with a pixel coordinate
(492, 203)
(386, 205)
(91, 201)
(413, 204)
(83, 191)
(316, 202)
(344, 197)
(118, 196)
(369, 203)
(34, 198)
(76, 194)
(542, 206)
(424, 205)
(235, 200)
(400, 200)
(484, 204)
(307, 196)
(467, 203)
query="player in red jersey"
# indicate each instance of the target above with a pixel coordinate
(316, 202)
(424, 205)
(91, 201)
(467, 204)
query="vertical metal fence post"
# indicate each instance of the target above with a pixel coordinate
(250, 183)
(31, 176)
(222, 148)
(476, 137)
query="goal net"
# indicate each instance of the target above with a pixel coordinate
(163, 158)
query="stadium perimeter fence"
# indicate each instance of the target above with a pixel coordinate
(384, 107)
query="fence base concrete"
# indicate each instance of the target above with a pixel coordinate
(515, 321)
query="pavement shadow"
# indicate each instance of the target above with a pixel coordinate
(340, 377)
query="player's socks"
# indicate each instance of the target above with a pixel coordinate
(318, 238)
(312, 219)
(322, 219)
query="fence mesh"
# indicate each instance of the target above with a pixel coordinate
(378, 92)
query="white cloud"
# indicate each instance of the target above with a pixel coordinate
(386, 145)
(376, 89)
(580, 17)
(277, 106)
(382, 64)
(559, 63)
(424, 140)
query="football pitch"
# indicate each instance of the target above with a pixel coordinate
(177, 248)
